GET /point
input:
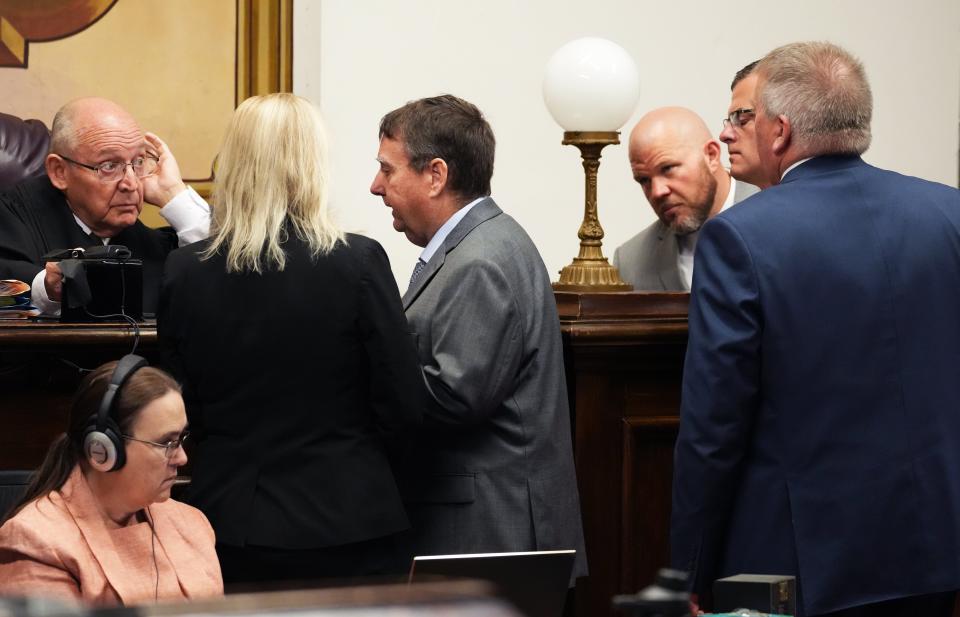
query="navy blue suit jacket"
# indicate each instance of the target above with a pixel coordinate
(820, 423)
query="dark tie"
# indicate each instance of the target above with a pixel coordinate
(417, 269)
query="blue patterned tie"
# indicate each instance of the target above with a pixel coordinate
(417, 269)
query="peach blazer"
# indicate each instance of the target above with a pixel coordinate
(60, 546)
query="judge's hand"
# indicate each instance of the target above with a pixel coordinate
(166, 184)
(53, 281)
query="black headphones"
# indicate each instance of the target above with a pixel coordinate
(102, 440)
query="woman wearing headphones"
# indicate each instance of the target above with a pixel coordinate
(96, 523)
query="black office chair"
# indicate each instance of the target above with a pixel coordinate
(23, 149)
(12, 486)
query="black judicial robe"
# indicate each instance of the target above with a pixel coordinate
(35, 219)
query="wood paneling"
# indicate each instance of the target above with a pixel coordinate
(624, 362)
(39, 372)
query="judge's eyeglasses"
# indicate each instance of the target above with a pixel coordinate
(111, 171)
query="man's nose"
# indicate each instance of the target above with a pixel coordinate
(728, 135)
(659, 188)
(376, 187)
(129, 181)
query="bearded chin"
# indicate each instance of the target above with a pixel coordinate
(692, 222)
(684, 225)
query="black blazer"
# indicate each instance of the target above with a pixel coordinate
(294, 382)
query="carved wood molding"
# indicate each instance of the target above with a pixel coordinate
(647, 472)
(622, 318)
(19, 336)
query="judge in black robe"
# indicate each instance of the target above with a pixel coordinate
(35, 219)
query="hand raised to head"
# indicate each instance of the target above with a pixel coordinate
(167, 183)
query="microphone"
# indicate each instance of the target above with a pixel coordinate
(109, 251)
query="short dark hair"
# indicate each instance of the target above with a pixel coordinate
(448, 128)
(743, 73)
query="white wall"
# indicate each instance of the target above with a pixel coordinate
(361, 58)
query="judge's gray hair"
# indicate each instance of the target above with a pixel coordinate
(823, 90)
(63, 135)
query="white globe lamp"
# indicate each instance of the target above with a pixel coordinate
(591, 87)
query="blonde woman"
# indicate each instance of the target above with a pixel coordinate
(297, 364)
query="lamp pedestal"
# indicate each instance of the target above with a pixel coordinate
(590, 270)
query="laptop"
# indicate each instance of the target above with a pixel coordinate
(535, 582)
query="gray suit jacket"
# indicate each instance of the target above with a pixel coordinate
(492, 469)
(648, 261)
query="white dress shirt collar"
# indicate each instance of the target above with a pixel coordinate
(87, 230)
(687, 244)
(437, 240)
(794, 166)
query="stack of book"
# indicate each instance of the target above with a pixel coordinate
(15, 300)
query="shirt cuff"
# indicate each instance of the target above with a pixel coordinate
(189, 215)
(38, 296)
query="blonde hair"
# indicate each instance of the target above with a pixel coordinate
(271, 172)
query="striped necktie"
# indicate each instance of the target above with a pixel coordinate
(417, 269)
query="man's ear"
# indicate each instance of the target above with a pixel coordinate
(782, 135)
(56, 171)
(711, 155)
(437, 168)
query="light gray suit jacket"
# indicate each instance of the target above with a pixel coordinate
(492, 469)
(648, 261)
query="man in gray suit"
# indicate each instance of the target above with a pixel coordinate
(492, 469)
(677, 163)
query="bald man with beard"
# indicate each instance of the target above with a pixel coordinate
(676, 161)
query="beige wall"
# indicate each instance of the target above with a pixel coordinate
(361, 58)
(170, 64)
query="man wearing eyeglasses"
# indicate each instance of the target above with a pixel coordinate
(739, 129)
(676, 161)
(100, 169)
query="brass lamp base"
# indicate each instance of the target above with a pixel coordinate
(590, 270)
(590, 274)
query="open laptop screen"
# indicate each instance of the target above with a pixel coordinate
(535, 582)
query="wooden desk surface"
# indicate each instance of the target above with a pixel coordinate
(46, 335)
